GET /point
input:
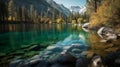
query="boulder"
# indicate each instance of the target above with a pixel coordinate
(66, 47)
(35, 48)
(54, 48)
(90, 54)
(77, 46)
(107, 33)
(48, 52)
(100, 32)
(35, 57)
(63, 65)
(84, 53)
(2, 55)
(65, 59)
(15, 63)
(97, 61)
(34, 62)
(42, 63)
(82, 62)
(76, 50)
(86, 25)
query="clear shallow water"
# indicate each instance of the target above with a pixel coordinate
(14, 36)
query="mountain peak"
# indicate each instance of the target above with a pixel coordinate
(59, 7)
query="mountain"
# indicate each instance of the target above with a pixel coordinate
(75, 9)
(78, 9)
(82, 10)
(59, 7)
(41, 6)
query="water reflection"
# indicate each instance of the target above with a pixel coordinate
(13, 36)
(74, 39)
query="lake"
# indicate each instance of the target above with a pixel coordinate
(14, 36)
(48, 41)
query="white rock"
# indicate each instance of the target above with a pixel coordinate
(66, 47)
(64, 52)
(112, 36)
(100, 31)
(103, 41)
(51, 47)
(85, 25)
(35, 57)
(96, 60)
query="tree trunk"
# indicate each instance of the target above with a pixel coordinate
(95, 5)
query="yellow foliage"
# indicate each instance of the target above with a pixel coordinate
(107, 14)
(59, 20)
(85, 20)
(79, 20)
(10, 18)
(73, 21)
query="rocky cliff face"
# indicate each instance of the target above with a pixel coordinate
(42, 6)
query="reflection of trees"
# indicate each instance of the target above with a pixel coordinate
(102, 48)
(59, 27)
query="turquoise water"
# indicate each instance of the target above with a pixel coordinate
(14, 36)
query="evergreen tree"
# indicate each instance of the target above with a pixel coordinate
(11, 9)
(3, 11)
(31, 12)
(53, 15)
(35, 16)
(24, 14)
(19, 12)
(47, 12)
(92, 6)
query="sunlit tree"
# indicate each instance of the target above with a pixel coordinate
(11, 9)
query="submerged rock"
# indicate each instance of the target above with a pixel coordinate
(2, 55)
(15, 63)
(54, 48)
(77, 46)
(76, 50)
(35, 48)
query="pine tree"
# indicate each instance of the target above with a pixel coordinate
(47, 12)
(53, 15)
(3, 11)
(35, 19)
(19, 12)
(11, 9)
(23, 14)
(31, 12)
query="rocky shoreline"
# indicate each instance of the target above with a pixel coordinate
(73, 55)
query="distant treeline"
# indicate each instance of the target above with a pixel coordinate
(11, 13)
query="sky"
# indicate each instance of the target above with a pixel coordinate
(69, 3)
